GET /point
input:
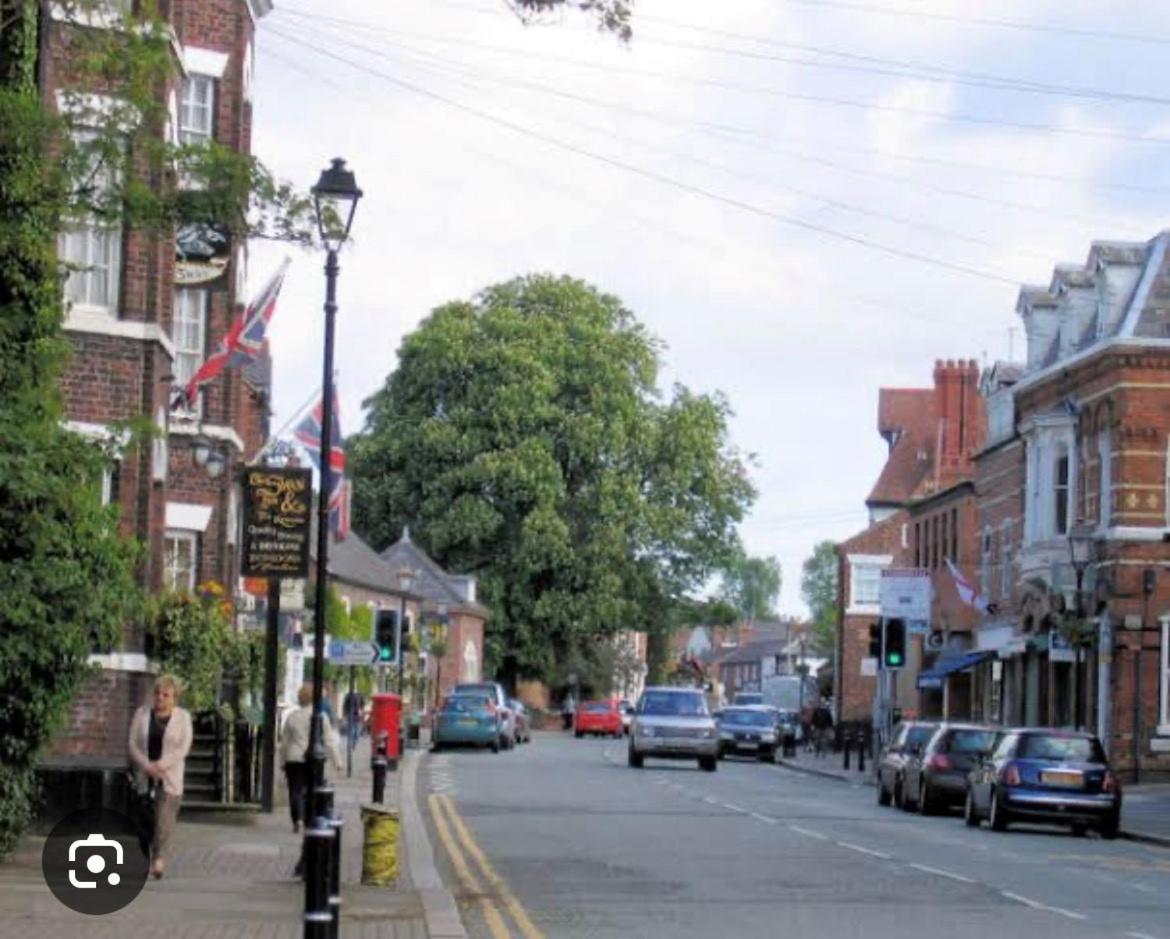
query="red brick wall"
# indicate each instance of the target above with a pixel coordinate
(99, 722)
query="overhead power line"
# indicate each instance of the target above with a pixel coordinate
(660, 178)
(746, 137)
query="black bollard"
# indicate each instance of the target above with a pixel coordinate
(336, 823)
(378, 766)
(861, 755)
(846, 741)
(318, 851)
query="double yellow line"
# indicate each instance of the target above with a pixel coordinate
(457, 839)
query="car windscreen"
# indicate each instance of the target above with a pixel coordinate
(466, 703)
(919, 735)
(749, 699)
(595, 707)
(673, 704)
(970, 741)
(1057, 748)
(747, 718)
(489, 690)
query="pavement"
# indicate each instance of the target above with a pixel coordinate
(1145, 808)
(232, 877)
(562, 839)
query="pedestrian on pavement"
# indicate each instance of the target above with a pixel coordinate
(160, 739)
(823, 727)
(294, 746)
(568, 709)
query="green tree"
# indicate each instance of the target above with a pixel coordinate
(752, 586)
(612, 15)
(818, 586)
(523, 440)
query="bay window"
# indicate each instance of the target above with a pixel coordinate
(180, 560)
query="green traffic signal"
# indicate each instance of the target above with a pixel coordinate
(384, 653)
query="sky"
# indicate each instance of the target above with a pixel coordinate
(806, 200)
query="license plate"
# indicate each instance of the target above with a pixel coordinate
(1076, 780)
(467, 722)
(747, 744)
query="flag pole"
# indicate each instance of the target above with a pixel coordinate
(297, 415)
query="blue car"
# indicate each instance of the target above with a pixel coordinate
(468, 719)
(1055, 777)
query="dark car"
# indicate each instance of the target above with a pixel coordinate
(908, 737)
(1059, 777)
(936, 778)
(748, 730)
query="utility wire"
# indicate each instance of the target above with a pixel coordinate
(940, 115)
(657, 177)
(731, 85)
(748, 138)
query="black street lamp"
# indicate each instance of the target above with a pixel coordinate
(1080, 555)
(405, 582)
(335, 198)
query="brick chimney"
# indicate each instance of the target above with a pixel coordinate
(962, 417)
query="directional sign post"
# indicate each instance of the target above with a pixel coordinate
(342, 652)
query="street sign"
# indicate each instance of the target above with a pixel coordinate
(905, 593)
(342, 652)
(277, 505)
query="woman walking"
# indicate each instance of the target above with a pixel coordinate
(294, 745)
(160, 739)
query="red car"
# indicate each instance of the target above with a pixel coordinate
(598, 717)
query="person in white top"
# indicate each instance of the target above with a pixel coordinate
(294, 745)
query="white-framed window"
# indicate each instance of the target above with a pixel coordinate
(1005, 571)
(94, 252)
(865, 581)
(1104, 479)
(1061, 491)
(1052, 469)
(1164, 680)
(189, 333)
(197, 110)
(180, 560)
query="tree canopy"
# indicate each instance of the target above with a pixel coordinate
(612, 15)
(818, 586)
(752, 586)
(523, 439)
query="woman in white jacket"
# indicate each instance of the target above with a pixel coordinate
(160, 739)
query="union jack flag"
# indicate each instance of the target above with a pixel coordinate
(308, 434)
(243, 342)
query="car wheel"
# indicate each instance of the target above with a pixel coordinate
(883, 794)
(635, 758)
(925, 805)
(495, 745)
(436, 746)
(708, 764)
(997, 817)
(969, 816)
(899, 796)
(579, 734)
(1111, 827)
(1079, 829)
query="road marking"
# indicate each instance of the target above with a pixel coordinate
(470, 883)
(764, 818)
(1037, 905)
(519, 914)
(710, 800)
(861, 850)
(926, 868)
(733, 808)
(810, 834)
(1139, 935)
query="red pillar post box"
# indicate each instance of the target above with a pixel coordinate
(385, 718)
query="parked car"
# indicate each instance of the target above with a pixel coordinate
(908, 737)
(495, 691)
(468, 719)
(522, 720)
(746, 698)
(674, 724)
(1035, 774)
(749, 730)
(627, 710)
(936, 778)
(602, 718)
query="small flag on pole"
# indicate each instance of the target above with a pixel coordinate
(967, 592)
(308, 434)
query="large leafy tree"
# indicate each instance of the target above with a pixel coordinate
(522, 438)
(612, 15)
(752, 586)
(818, 586)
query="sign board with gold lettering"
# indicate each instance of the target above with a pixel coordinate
(277, 507)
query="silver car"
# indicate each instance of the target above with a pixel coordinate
(674, 724)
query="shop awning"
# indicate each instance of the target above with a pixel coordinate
(933, 676)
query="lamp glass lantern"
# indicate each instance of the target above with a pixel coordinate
(1080, 546)
(214, 464)
(335, 198)
(405, 579)
(201, 449)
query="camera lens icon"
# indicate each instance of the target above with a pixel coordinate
(90, 848)
(94, 860)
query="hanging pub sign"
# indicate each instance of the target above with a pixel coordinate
(277, 510)
(202, 254)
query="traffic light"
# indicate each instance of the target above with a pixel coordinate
(895, 652)
(386, 635)
(875, 640)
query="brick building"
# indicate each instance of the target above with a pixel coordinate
(1079, 451)
(921, 511)
(143, 311)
